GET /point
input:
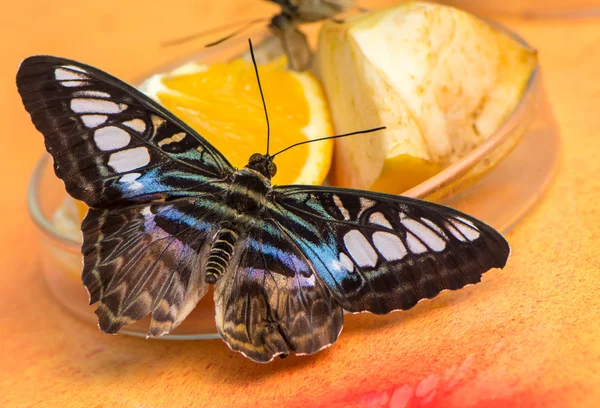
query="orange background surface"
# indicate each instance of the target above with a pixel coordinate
(528, 335)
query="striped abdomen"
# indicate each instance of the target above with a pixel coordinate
(220, 254)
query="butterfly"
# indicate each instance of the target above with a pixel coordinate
(169, 216)
(287, 37)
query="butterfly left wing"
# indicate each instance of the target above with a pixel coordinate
(270, 301)
(379, 252)
(149, 179)
(111, 144)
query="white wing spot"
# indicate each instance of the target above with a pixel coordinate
(91, 94)
(435, 227)
(415, 246)
(365, 204)
(429, 238)
(157, 122)
(454, 232)
(466, 222)
(129, 177)
(81, 105)
(130, 180)
(177, 137)
(74, 68)
(389, 246)
(136, 124)
(379, 219)
(359, 249)
(346, 262)
(71, 84)
(62, 74)
(130, 159)
(111, 138)
(338, 203)
(92, 121)
(471, 233)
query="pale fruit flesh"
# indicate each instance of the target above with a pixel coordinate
(440, 79)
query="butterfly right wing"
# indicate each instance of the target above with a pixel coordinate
(379, 252)
(147, 259)
(270, 301)
(110, 143)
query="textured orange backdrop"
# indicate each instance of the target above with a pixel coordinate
(526, 336)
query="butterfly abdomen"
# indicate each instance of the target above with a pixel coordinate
(220, 254)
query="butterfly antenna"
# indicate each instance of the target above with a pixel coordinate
(360, 132)
(187, 38)
(261, 94)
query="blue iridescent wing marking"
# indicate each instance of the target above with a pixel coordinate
(378, 252)
(270, 302)
(111, 144)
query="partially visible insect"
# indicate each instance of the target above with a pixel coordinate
(294, 12)
(284, 26)
(169, 216)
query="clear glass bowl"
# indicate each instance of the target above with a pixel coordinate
(498, 182)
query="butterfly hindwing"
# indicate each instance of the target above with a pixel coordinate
(270, 302)
(111, 143)
(147, 259)
(379, 252)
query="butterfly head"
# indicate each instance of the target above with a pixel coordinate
(262, 164)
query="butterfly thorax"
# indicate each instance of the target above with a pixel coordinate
(247, 194)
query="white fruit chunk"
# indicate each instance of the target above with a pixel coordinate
(440, 79)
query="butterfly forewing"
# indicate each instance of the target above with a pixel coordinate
(380, 252)
(110, 143)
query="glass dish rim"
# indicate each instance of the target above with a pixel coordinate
(428, 186)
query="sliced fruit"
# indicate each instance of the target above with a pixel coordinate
(222, 102)
(440, 79)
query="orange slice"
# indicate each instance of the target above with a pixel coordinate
(222, 102)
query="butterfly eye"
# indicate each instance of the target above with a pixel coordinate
(272, 169)
(255, 157)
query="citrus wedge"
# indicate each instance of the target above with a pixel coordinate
(222, 102)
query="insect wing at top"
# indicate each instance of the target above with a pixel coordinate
(287, 37)
(285, 27)
(308, 11)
